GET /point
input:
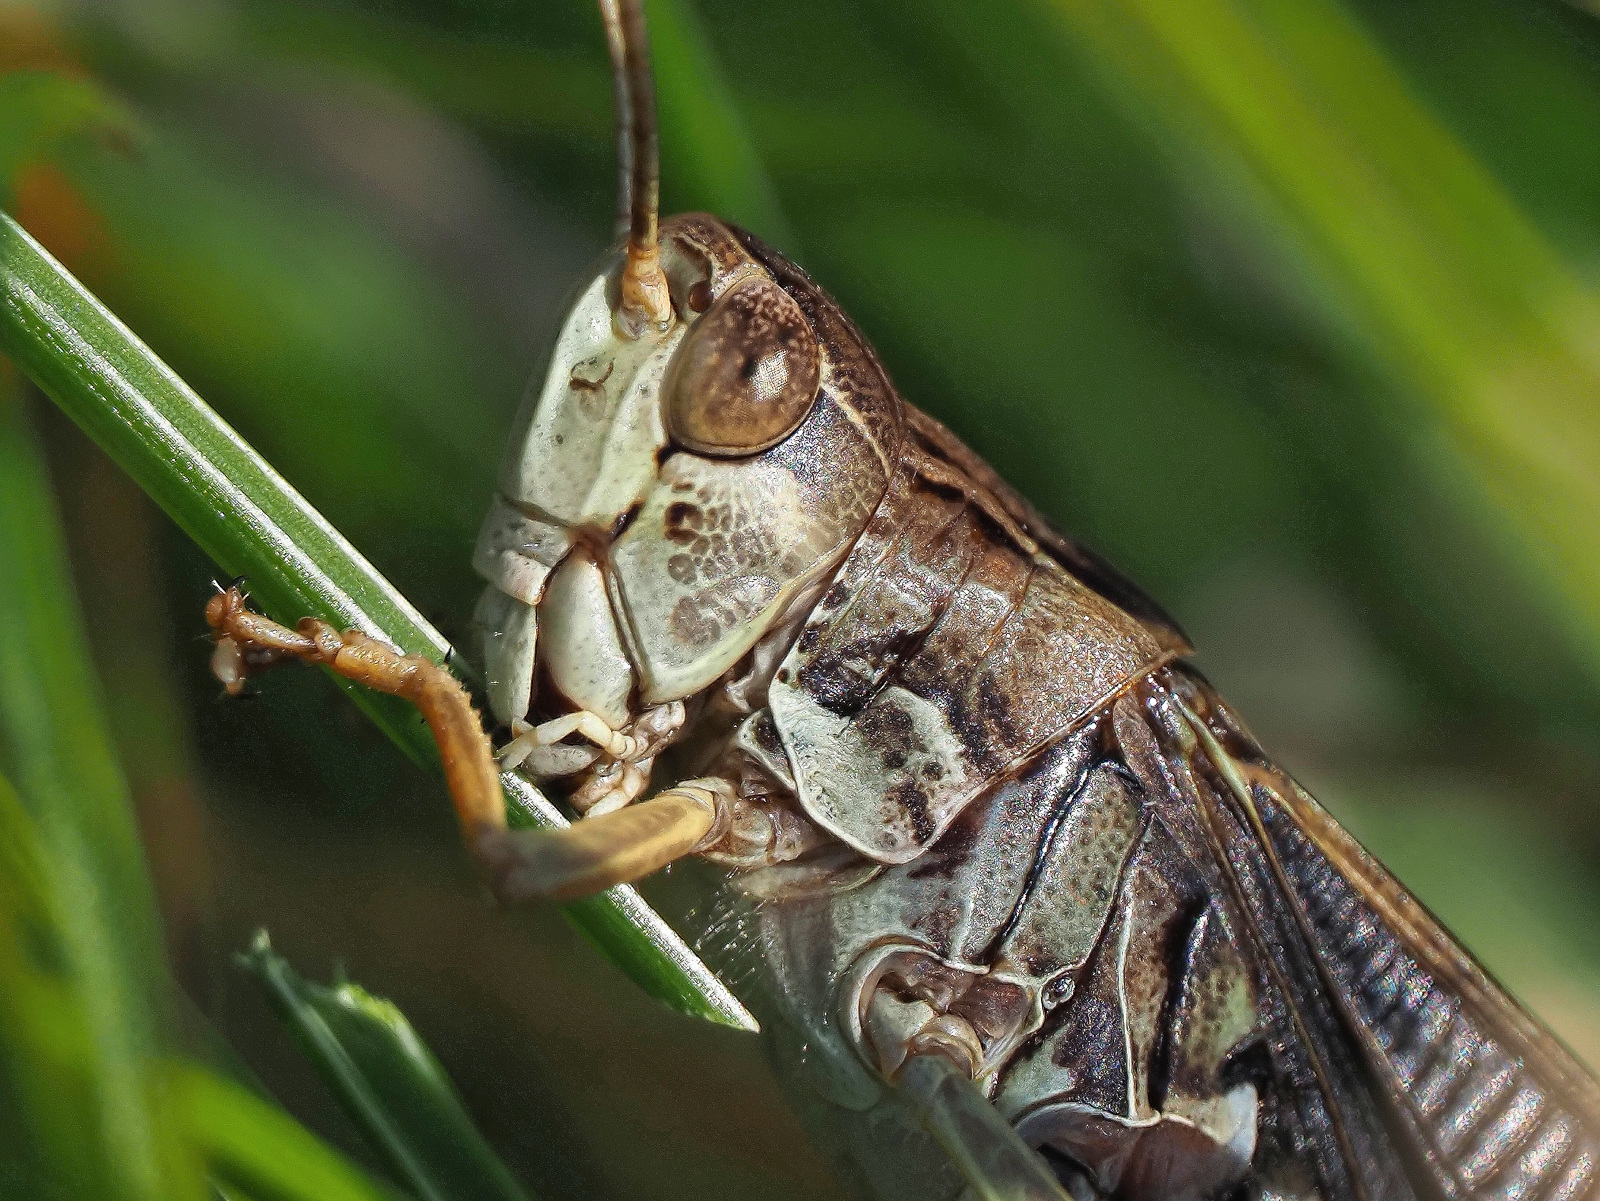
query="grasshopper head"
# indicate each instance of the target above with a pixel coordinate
(711, 435)
(703, 471)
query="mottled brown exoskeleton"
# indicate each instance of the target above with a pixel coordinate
(989, 811)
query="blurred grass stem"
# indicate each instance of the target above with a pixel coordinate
(1490, 338)
(72, 831)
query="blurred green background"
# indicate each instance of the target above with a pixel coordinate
(1289, 307)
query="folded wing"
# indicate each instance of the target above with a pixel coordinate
(1479, 1100)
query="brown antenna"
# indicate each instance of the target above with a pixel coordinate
(645, 303)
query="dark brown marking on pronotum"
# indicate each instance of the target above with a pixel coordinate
(906, 794)
(952, 851)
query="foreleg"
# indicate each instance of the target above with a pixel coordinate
(610, 848)
(249, 642)
(597, 852)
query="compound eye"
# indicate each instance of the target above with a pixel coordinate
(746, 374)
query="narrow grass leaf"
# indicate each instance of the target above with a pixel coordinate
(85, 998)
(54, 747)
(53, 1101)
(52, 1093)
(388, 1082)
(1427, 264)
(255, 1151)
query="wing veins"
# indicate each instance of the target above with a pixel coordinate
(1420, 933)
(1303, 1035)
(1377, 1062)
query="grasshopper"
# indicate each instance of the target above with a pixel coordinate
(991, 815)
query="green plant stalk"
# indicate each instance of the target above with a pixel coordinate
(51, 1061)
(388, 1082)
(251, 522)
(52, 1065)
(255, 1150)
(63, 1134)
(85, 998)
(1432, 267)
(97, 908)
(703, 133)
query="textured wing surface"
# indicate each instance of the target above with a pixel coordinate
(1479, 1100)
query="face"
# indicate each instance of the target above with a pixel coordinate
(667, 497)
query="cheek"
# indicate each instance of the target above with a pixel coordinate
(720, 547)
(705, 567)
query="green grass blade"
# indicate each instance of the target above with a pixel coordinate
(705, 142)
(42, 108)
(240, 511)
(53, 1091)
(619, 917)
(248, 519)
(388, 1082)
(84, 993)
(254, 1150)
(91, 894)
(54, 1100)
(1428, 266)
